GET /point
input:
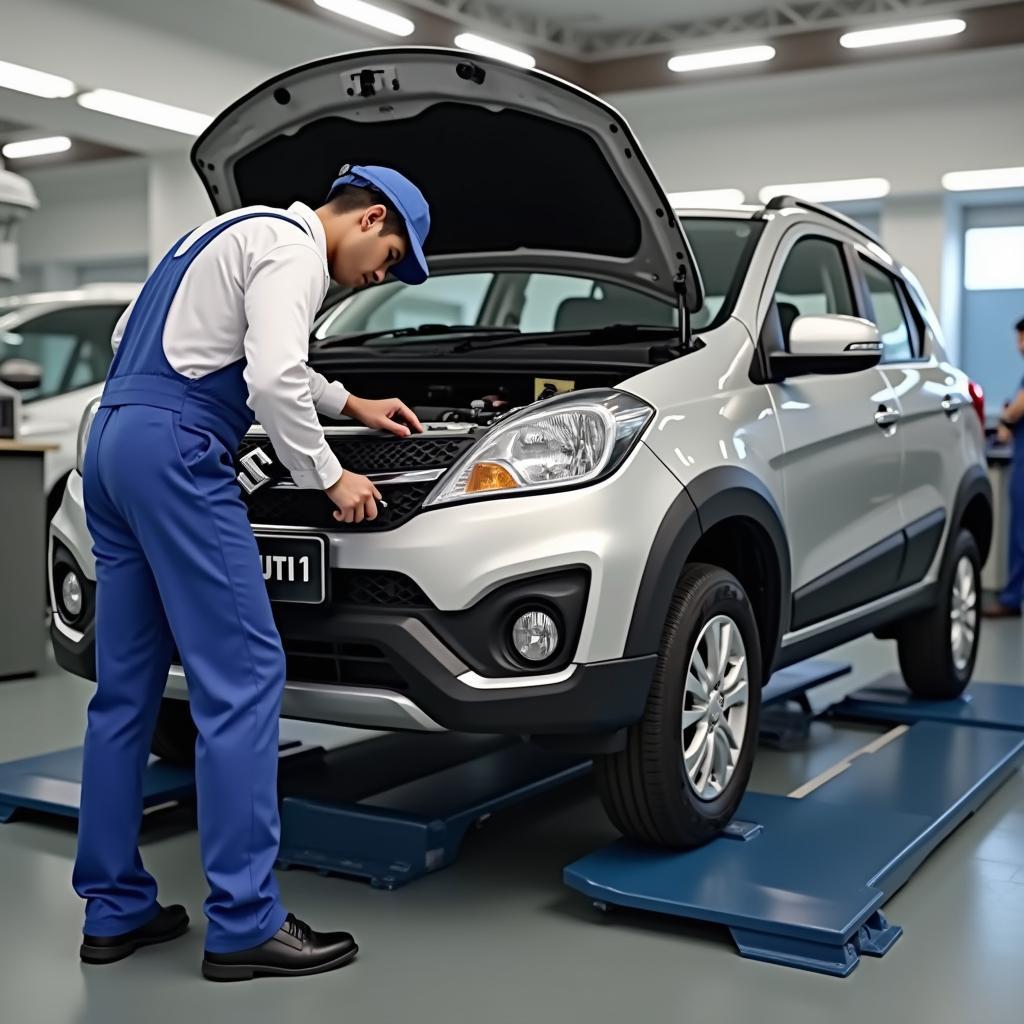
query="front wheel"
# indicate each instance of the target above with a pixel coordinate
(687, 761)
(938, 647)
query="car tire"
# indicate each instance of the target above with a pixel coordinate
(658, 790)
(174, 738)
(53, 500)
(938, 647)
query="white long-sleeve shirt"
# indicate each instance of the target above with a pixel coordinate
(254, 291)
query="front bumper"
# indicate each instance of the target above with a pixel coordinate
(437, 666)
(432, 689)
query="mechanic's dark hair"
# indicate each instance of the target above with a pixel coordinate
(355, 197)
(1020, 324)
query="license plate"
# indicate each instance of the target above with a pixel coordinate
(294, 568)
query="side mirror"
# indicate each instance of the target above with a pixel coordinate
(22, 374)
(830, 344)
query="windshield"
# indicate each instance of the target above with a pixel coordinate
(521, 301)
(539, 302)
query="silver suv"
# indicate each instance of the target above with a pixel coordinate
(664, 456)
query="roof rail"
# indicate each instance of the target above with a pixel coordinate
(780, 202)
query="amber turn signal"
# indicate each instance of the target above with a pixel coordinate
(489, 476)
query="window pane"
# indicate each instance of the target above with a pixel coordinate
(721, 247)
(892, 326)
(994, 258)
(72, 345)
(445, 299)
(813, 283)
(544, 296)
(533, 302)
(553, 302)
(51, 351)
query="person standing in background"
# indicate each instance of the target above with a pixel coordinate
(1011, 430)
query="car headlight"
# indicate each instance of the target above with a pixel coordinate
(83, 431)
(569, 440)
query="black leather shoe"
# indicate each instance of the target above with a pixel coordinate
(169, 923)
(293, 951)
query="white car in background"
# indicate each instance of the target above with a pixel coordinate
(55, 351)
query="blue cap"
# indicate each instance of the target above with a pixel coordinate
(409, 202)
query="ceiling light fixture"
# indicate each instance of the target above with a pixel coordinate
(37, 83)
(135, 108)
(489, 48)
(369, 14)
(902, 33)
(721, 58)
(829, 191)
(36, 147)
(995, 177)
(708, 197)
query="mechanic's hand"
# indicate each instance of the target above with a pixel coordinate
(354, 495)
(1003, 434)
(379, 412)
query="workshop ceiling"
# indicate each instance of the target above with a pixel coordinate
(141, 46)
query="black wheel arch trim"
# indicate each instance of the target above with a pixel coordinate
(725, 492)
(975, 483)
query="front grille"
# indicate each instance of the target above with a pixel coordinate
(292, 506)
(349, 664)
(392, 455)
(376, 589)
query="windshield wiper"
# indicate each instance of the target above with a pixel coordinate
(422, 329)
(608, 335)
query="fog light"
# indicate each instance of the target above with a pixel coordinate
(535, 636)
(71, 595)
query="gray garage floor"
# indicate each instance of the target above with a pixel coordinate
(497, 938)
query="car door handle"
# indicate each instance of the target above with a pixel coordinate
(886, 417)
(952, 404)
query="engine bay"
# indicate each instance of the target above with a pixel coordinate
(472, 397)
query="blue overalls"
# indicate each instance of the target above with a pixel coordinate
(177, 562)
(1013, 593)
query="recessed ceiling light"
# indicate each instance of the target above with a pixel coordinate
(369, 14)
(721, 58)
(995, 177)
(489, 48)
(902, 33)
(708, 197)
(38, 83)
(36, 147)
(135, 108)
(829, 191)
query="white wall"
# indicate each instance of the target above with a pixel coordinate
(908, 120)
(177, 202)
(92, 211)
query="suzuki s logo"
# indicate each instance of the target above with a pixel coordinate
(250, 476)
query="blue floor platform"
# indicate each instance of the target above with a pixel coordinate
(51, 784)
(807, 885)
(392, 836)
(798, 880)
(409, 830)
(992, 705)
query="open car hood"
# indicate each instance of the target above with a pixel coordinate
(520, 168)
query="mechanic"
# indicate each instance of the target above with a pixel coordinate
(217, 338)
(1011, 430)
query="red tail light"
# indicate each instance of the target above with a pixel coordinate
(977, 400)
